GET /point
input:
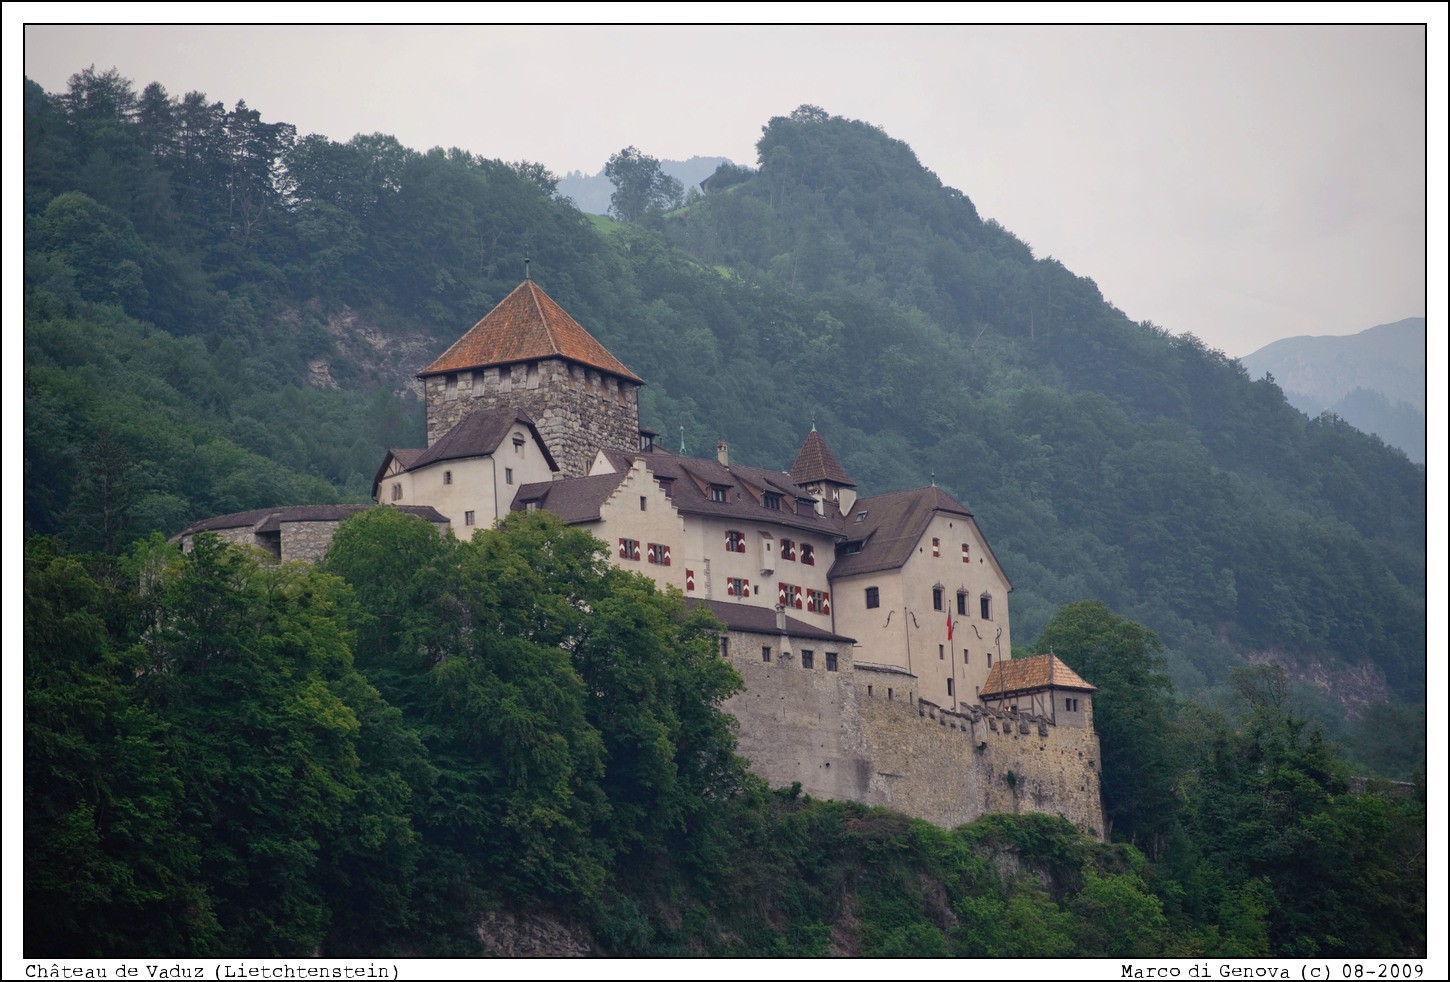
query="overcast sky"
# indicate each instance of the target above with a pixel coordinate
(1240, 183)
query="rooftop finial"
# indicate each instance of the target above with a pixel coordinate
(933, 478)
(682, 441)
(813, 422)
(526, 268)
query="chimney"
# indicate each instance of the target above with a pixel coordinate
(780, 618)
(722, 453)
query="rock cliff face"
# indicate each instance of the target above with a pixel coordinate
(361, 349)
(1355, 687)
(505, 934)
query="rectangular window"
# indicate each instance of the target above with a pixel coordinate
(789, 595)
(765, 652)
(452, 385)
(966, 553)
(734, 541)
(508, 475)
(717, 492)
(787, 550)
(950, 688)
(966, 659)
(724, 646)
(1070, 705)
(808, 659)
(468, 518)
(936, 547)
(808, 554)
(831, 661)
(873, 597)
(989, 659)
(629, 549)
(658, 554)
(397, 491)
(518, 446)
(447, 477)
(941, 652)
(737, 587)
(818, 601)
(986, 608)
(937, 598)
(962, 604)
(643, 502)
(531, 506)
(771, 500)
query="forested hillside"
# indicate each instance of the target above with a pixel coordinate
(191, 268)
(225, 757)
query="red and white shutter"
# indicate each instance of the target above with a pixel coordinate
(798, 602)
(689, 581)
(667, 555)
(936, 547)
(745, 588)
(636, 551)
(825, 603)
(623, 548)
(780, 596)
(730, 588)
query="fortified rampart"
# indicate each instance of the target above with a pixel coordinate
(861, 733)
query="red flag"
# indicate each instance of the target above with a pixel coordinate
(949, 627)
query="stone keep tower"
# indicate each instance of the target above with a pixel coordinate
(529, 354)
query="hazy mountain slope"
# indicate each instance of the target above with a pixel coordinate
(590, 192)
(841, 284)
(1374, 379)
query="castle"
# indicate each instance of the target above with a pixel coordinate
(873, 634)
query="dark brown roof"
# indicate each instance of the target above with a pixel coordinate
(1008, 678)
(691, 479)
(889, 527)
(761, 620)
(477, 435)
(405, 457)
(815, 462)
(527, 325)
(574, 499)
(272, 519)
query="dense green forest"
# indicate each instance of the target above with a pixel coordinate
(229, 757)
(188, 264)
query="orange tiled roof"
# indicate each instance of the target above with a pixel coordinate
(1037, 672)
(816, 462)
(527, 325)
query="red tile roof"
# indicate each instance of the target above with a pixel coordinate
(1025, 674)
(527, 325)
(815, 462)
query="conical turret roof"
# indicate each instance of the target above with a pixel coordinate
(527, 325)
(815, 462)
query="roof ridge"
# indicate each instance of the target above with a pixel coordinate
(543, 317)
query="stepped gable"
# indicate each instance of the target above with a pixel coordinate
(527, 325)
(815, 462)
(692, 480)
(1016, 675)
(573, 499)
(889, 526)
(477, 435)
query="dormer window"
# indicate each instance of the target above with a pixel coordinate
(861, 517)
(717, 492)
(667, 485)
(771, 500)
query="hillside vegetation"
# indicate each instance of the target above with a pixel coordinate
(187, 265)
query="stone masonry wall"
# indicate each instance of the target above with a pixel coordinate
(841, 736)
(578, 410)
(307, 540)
